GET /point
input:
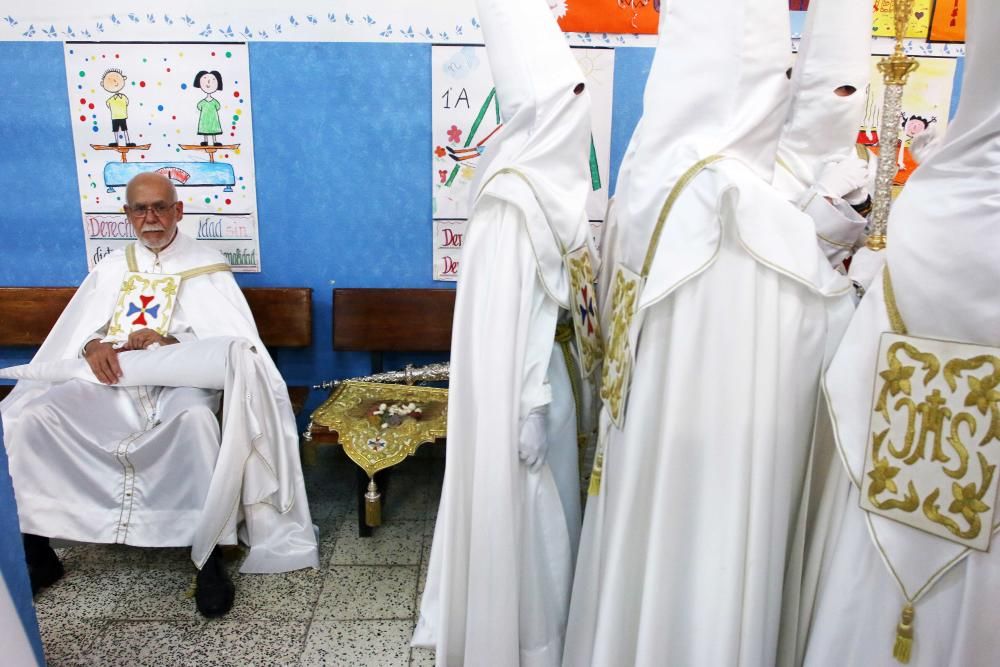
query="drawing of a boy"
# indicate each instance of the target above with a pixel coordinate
(113, 81)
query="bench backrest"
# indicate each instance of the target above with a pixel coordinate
(283, 314)
(393, 320)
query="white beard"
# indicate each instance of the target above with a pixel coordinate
(558, 8)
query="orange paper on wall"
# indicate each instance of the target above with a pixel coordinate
(611, 16)
(948, 21)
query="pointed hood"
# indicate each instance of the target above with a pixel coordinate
(835, 51)
(944, 230)
(546, 114)
(718, 84)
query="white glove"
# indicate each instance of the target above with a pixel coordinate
(865, 266)
(925, 144)
(844, 179)
(533, 441)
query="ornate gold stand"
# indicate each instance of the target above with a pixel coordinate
(378, 425)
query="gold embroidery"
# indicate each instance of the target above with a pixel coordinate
(983, 393)
(931, 454)
(968, 501)
(617, 359)
(881, 477)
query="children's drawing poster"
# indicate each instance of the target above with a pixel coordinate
(948, 21)
(182, 110)
(927, 101)
(639, 17)
(466, 120)
(884, 24)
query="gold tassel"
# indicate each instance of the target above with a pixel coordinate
(904, 636)
(373, 505)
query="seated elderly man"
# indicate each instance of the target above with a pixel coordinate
(105, 460)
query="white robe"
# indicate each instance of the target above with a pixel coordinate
(501, 561)
(684, 550)
(137, 465)
(852, 619)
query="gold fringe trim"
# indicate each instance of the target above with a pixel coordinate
(904, 636)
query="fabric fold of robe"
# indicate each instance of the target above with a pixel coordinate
(258, 456)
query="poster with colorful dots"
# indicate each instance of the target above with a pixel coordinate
(466, 122)
(181, 110)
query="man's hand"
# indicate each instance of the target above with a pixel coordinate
(143, 338)
(844, 179)
(533, 442)
(103, 360)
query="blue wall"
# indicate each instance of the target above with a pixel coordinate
(12, 567)
(358, 153)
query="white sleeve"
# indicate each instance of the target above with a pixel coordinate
(838, 226)
(97, 335)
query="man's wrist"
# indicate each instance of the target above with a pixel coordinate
(863, 208)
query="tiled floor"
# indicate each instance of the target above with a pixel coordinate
(121, 605)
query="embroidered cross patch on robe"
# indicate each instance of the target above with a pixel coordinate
(586, 323)
(145, 301)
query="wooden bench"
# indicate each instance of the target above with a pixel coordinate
(283, 316)
(388, 320)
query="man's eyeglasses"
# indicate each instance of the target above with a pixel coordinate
(159, 209)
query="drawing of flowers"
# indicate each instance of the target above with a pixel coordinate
(454, 134)
(439, 151)
(443, 175)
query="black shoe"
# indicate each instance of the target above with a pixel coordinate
(217, 143)
(204, 143)
(44, 568)
(215, 591)
(113, 144)
(130, 145)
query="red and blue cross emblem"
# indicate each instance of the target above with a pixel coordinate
(143, 310)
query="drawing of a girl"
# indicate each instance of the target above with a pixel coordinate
(208, 108)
